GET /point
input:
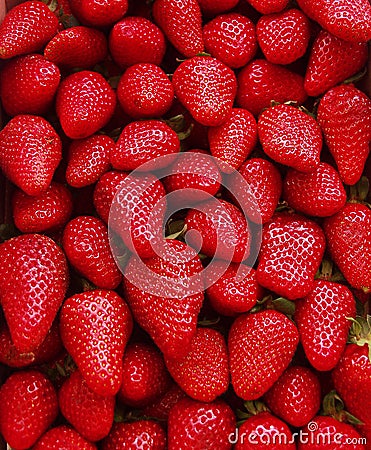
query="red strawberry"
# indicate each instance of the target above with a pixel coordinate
(283, 37)
(33, 282)
(319, 193)
(63, 437)
(79, 46)
(145, 434)
(203, 373)
(48, 211)
(181, 22)
(347, 19)
(161, 407)
(88, 412)
(85, 103)
(136, 40)
(233, 141)
(214, 7)
(268, 6)
(207, 88)
(291, 252)
(231, 38)
(348, 234)
(144, 90)
(261, 346)
(95, 327)
(195, 425)
(30, 151)
(344, 115)
(261, 82)
(95, 13)
(28, 406)
(145, 377)
(332, 60)
(88, 160)
(291, 137)
(26, 28)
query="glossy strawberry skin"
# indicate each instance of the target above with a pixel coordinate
(26, 28)
(99, 14)
(63, 437)
(268, 6)
(28, 407)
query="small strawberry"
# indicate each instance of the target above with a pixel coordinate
(291, 137)
(63, 437)
(95, 13)
(214, 7)
(207, 88)
(160, 408)
(261, 346)
(85, 103)
(30, 151)
(26, 28)
(291, 252)
(28, 406)
(268, 6)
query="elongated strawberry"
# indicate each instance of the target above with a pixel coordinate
(214, 7)
(94, 13)
(63, 437)
(268, 6)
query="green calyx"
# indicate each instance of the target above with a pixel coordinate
(360, 332)
(333, 406)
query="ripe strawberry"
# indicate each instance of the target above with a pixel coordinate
(94, 13)
(26, 28)
(319, 193)
(347, 19)
(145, 377)
(214, 7)
(88, 160)
(207, 88)
(291, 137)
(33, 282)
(136, 40)
(171, 317)
(268, 6)
(30, 151)
(63, 437)
(48, 211)
(85, 103)
(261, 346)
(261, 82)
(332, 60)
(181, 22)
(283, 37)
(344, 115)
(160, 408)
(144, 90)
(348, 235)
(195, 425)
(88, 412)
(231, 38)
(95, 327)
(233, 141)
(28, 406)
(78, 46)
(291, 252)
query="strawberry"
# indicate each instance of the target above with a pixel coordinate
(26, 28)
(332, 60)
(203, 373)
(136, 40)
(268, 6)
(319, 193)
(171, 317)
(146, 434)
(88, 412)
(85, 103)
(231, 38)
(160, 408)
(48, 211)
(94, 13)
(30, 151)
(28, 406)
(344, 115)
(207, 88)
(291, 137)
(283, 37)
(95, 327)
(33, 282)
(145, 377)
(291, 252)
(78, 46)
(181, 22)
(144, 90)
(233, 141)
(347, 19)
(88, 160)
(214, 7)
(261, 82)
(261, 346)
(63, 437)
(348, 235)
(195, 425)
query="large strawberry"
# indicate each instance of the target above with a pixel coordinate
(63, 437)
(95, 13)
